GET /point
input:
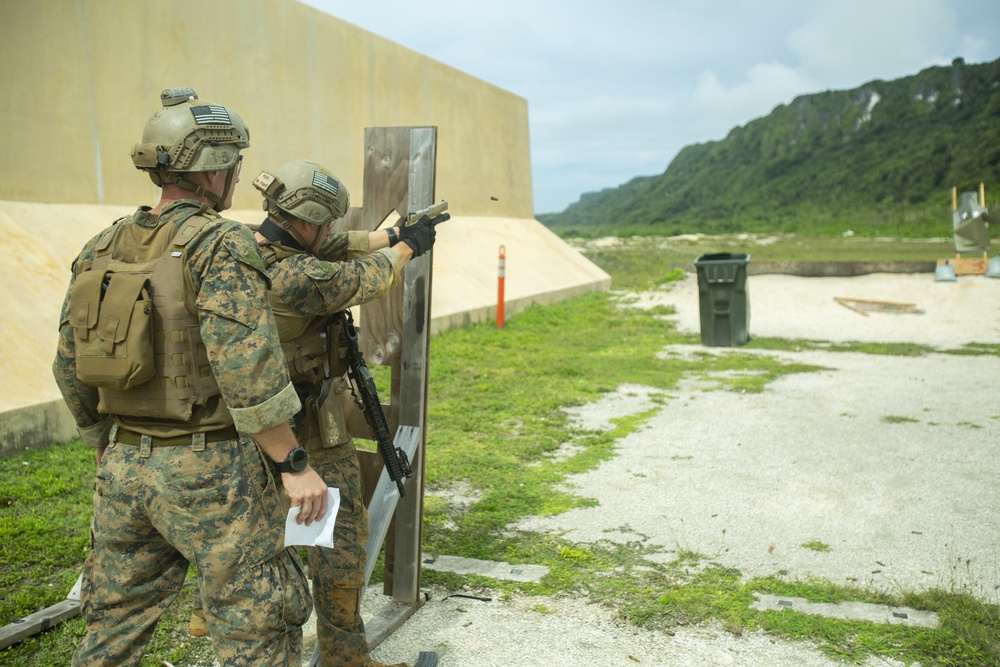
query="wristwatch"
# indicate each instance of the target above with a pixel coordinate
(296, 461)
(393, 236)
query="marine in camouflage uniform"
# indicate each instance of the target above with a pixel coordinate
(314, 276)
(168, 353)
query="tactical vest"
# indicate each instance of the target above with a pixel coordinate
(313, 347)
(316, 356)
(147, 360)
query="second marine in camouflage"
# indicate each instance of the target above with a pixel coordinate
(315, 275)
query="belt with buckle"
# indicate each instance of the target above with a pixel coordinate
(127, 437)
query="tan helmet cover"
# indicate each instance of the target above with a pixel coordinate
(188, 135)
(304, 190)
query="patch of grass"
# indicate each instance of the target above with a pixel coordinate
(898, 419)
(662, 311)
(816, 545)
(751, 373)
(976, 349)
(639, 262)
(570, 553)
(45, 507)
(861, 347)
(675, 274)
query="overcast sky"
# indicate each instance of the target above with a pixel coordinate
(616, 89)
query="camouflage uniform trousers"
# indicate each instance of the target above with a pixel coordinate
(338, 574)
(158, 509)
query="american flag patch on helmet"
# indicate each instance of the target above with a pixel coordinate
(324, 182)
(211, 114)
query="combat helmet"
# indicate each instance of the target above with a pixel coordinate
(187, 135)
(304, 190)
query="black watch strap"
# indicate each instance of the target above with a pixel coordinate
(296, 461)
(393, 236)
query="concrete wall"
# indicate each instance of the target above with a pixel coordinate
(80, 78)
(44, 238)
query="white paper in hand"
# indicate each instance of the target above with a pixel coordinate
(320, 532)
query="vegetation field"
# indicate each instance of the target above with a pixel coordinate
(641, 262)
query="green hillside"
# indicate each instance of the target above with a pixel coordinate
(880, 159)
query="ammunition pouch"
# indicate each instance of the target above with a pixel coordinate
(332, 425)
(111, 315)
(306, 358)
(137, 340)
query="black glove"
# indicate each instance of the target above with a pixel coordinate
(419, 236)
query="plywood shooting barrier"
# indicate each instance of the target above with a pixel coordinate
(394, 331)
(399, 177)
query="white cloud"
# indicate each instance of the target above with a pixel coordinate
(976, 49)
(850, 42)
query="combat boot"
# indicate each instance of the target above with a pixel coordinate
(341, 633)
(198, 626)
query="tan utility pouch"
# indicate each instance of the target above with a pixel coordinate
(112, 323)
(306, 425)
(332, 422)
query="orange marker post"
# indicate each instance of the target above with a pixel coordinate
(500, 277)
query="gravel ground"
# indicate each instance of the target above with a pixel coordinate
(890, 461)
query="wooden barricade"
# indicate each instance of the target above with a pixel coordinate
(399, 177)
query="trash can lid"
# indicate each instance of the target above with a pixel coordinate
(733, 257)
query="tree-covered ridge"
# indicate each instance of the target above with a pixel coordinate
(880, 159)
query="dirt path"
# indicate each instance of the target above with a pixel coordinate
(889, 461)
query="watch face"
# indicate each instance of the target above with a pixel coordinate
(298, 459)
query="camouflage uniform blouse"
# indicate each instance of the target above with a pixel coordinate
(341, 275)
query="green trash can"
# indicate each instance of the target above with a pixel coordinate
(723, 300)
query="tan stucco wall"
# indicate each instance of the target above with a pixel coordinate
(80, 78)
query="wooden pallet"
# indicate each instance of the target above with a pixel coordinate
(966, 266)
